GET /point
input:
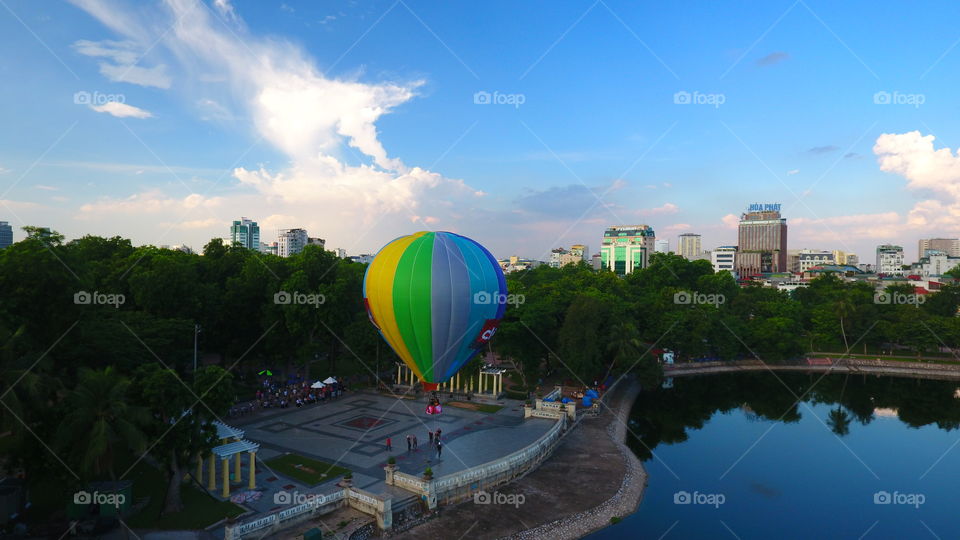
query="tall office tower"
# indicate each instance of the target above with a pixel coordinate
(6, 235)
(291, 241)
(625, 248)
(689, 246)
(246, 232)
(762, 235)
(950, 246)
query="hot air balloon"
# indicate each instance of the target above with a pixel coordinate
(437, 298)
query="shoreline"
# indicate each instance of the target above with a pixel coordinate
(921, 370)
(591, 477)
(624, 502)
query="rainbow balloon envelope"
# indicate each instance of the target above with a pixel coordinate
(437, 298)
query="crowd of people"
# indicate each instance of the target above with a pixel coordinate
(296, 392)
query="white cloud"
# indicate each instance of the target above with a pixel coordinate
(731, 221)
(150, 202)
(315, 120)
(793, 172)
(226, 9)
(675, 228)
(46, 188)
(123, 62)
(913, 156)
(122, 110)
(927, 170)
(665, 209)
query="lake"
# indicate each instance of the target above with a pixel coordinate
(733, 456)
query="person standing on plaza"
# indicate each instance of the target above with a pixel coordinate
(414, 442)
(389, 445)
(439, 448)
(409, 442)
(431, 437)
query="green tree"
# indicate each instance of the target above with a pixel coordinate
(100, 422)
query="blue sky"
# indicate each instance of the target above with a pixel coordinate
(163, 121)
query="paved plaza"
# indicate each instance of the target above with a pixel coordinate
(352, 430)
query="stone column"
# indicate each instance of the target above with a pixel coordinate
(212, 481)
(200, 470)
(391, 469)
(459, 388)
(253, 470)
(225, 492)
(480, 391)
(385, 516)
(236, 467)
(399, 380)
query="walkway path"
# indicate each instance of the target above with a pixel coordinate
(351, 432)
(848, 365)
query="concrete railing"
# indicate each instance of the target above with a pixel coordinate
(823, 363)
(316, 504)
(462, 485)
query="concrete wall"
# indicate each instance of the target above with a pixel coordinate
(462, 485)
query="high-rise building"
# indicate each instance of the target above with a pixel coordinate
(626, 248)
(662, 246)
(316, 242)
(950, 246)
(689, 246)
(762, 235)
(246, 232)
(6, 235)
(852, 259)
(889, 260)
(291, 241)
(724, 258)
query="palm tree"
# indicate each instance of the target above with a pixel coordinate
(844, 309)
(624, 342)
(839, 422)
(100, 422)
(839, 419)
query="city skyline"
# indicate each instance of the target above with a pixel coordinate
(236, 140)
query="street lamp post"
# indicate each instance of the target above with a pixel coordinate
(196, 330)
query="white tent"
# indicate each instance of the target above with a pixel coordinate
(329, 380)
(317, 384)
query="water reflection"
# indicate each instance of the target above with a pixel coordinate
(667, 415)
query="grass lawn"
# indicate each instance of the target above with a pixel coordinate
(306, 470)
(482, 407)
(199, 509)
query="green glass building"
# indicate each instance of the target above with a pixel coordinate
(626, 248)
